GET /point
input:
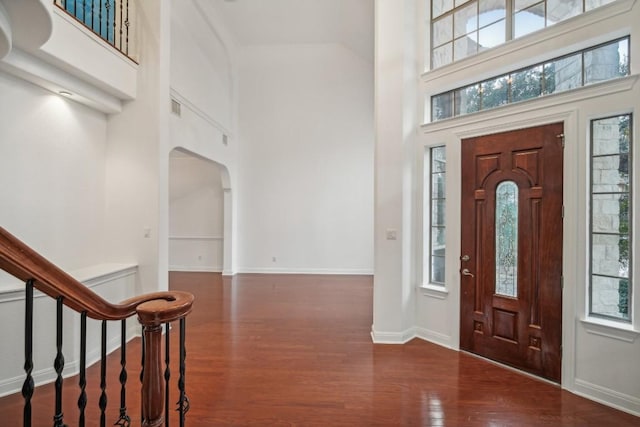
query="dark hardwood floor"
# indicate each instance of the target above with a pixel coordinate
(294, 350)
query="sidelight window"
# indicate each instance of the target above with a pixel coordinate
(436, 208)
(610, 225)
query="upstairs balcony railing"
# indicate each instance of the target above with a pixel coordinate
(111, 20)
(155, 312)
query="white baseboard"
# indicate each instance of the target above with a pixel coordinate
(195, 268)
(434, 337)
(403, 337)
(321, 271)
(615, 399)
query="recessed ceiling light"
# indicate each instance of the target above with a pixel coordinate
(65, 93)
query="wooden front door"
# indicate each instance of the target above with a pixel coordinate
(511, 261)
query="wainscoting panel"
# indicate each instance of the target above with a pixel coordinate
(196, 253)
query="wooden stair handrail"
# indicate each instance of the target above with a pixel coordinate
(153, 309)
(19, 260)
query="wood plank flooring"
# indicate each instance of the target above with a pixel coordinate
(274, 350)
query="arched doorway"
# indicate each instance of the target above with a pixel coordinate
(199, 213)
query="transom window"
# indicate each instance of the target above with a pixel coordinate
(461, 28)
(593, 65)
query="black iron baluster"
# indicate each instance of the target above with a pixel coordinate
(100, 19)
(82, 400)
(93, 14)
(102, 15)
(113, 21)
(28, 386)
(183, 403)
(142, 368)
(103, 375)
(126, 24)
(124, 420)
(58, 364)
(107, 7)
(167, 374)
(121, 25)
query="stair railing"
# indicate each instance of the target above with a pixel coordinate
(153, 310)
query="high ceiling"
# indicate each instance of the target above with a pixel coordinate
(265, 22)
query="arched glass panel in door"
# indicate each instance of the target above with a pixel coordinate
(507, 239)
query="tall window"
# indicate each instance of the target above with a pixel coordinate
(437, 173)
(461, 28)
(610, 266)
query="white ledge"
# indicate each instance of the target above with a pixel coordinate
(196, 238)
(100, 273)
(42, 73)
(610, 329)
(42, 44)
(434, 291)
(183, 100)
(91, 276)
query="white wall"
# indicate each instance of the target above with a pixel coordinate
(52, 173)
(395, 123)
(306, 176)
(201, 71)
(196, 214)
(137, 156)
(52, 196)
(203, 81)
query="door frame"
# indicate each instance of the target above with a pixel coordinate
(546, 362)
(451, 135)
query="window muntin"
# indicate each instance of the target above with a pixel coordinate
(610, 283)
(465, 28)
(437, 200)
(528, 17)
(600, 63)
(462, 28)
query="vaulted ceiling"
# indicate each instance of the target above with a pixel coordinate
(265, 22)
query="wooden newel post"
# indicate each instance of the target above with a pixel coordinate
(152, 315)
(152, 379)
